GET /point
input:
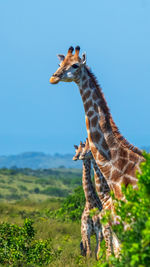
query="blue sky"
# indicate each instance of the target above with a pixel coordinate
(37, 116)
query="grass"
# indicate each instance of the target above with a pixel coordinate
(26, 193)
(37, 185)
(64, 235)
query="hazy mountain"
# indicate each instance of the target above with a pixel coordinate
(38, 160)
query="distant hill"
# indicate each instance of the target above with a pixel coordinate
(38, 160)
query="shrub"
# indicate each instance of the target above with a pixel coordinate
(55, 191)
(135, 241)
(71, 208)
(36, 190)
(18, 246)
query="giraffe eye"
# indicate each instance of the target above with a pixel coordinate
(75, 66)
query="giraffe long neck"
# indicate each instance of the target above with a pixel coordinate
(89, 191)
(102, 187)
(117, 162)
(97, 118)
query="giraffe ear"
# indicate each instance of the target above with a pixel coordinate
(76, 147)
(83, 60)
(61, 57)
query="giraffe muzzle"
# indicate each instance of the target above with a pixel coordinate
(54, 79)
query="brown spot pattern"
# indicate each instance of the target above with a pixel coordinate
(133, 157)
(95, 136)
(123, 152)
(90, 113)
(101, 156)
(95, 108)
(86, 96)
(94, 95)
(85, 85)
(104, 145)
(94, 121)
(117, 191)
(130, 170)
(98, 182)
(105, 124)
(111, 141)
(115, 176)
(91, 84)
(87, 105)
(120, 163)
(83, 97)
(106, 170)
(114, 153)
(126, 180)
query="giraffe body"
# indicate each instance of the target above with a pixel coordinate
(117, 160)
(103, 191)
(89, 225)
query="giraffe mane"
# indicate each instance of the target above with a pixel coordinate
(110, 123)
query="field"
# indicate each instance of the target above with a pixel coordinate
(32, 194)
(41, 213)
(37, 185)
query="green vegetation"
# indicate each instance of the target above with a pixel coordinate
(54, 237)
(56, 219)
(60, 236)
(135, 215)
(71, 208)
(37, 185)
(19, 247)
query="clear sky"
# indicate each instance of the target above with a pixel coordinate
(37, 116)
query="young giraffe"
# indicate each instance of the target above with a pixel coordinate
(89, 225)
(117, 160)
(103, 191)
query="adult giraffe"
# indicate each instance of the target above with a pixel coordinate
(116, 158)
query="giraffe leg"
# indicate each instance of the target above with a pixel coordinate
(99, 238)
(85, 244)
(107, 233)
(116, 245)
(88, 244)
(83, 248)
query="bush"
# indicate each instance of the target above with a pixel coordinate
(55, 191)
(18, 246)
(71, 208)
(36, 190)
(135, 248)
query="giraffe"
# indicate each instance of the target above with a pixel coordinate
(89, 225)
(103, 191)
(117, 159)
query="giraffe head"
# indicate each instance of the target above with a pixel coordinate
(86, 151)
(79, 150)
(69, 67)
